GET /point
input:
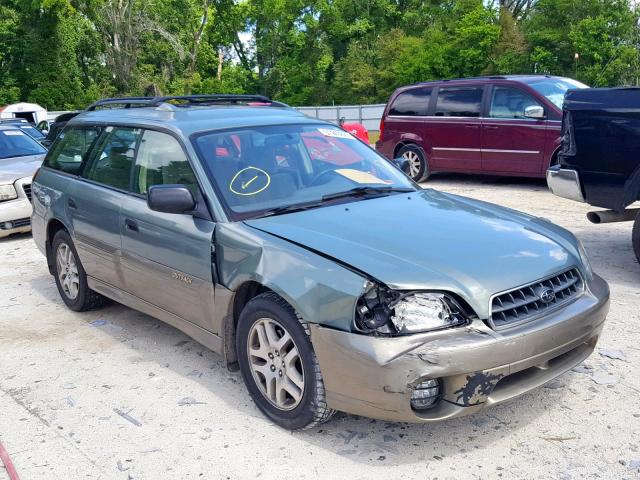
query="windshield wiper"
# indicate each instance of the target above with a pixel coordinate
(366, 191)
(354, 192)
(290, 209)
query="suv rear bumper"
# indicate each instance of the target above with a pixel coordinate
(565, 183)
(475, 365)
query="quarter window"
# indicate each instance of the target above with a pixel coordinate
(459, 102)
(507, 102)
(72, 148)
(114, 159)
(161, 161)
(411, 103)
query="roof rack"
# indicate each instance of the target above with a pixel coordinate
(186, 101)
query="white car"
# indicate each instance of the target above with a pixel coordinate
(20, 157)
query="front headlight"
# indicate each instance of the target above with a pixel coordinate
(420, 312)
(382, 311)
(7, 192)
(585, 259)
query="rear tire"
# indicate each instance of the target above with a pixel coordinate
(276, 359)
(70, 276)
(635, 237)
(418, 166)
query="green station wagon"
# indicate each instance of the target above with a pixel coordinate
(310, 262)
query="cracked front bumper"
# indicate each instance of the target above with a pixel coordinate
(477, 366)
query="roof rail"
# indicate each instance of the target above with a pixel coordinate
(126, 102)
(186, 101)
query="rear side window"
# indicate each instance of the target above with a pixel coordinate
(161, 161)
(459, 102)
(72, 148)
(114, 158)
(411, 103)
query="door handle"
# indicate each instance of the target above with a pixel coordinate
(71, 203)
(491, 127)
(472, 126)
(131, 225)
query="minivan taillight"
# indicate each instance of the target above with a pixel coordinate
(381, 129)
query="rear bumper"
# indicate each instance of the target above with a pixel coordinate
(565, 183)
(476, 366)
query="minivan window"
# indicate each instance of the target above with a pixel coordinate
(161, 161)
(507, 102)
(554, 88)
(71, 149)
(414, 102)
(114, 159)
(459, 102)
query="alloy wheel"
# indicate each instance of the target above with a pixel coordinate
(414, 162)
(275, 364)
(67, 271)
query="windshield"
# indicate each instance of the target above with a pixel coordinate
(555, 88)
(31, 131)
(268, 169)
(15, 143)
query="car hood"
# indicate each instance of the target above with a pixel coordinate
(432, 240)
(11, 169)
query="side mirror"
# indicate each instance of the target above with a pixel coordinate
(170, 199)
(534, 111)
(402, 164)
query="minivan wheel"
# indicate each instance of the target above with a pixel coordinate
(278, 364)
(635, 237)
(70, 277)
(418, 168)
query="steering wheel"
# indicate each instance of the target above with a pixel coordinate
(314, 180)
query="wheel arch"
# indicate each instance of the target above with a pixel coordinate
(405, 143)
(53, 227)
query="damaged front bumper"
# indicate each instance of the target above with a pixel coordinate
(475, 365)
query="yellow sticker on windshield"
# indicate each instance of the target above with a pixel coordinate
(249, 181)
(359, 176)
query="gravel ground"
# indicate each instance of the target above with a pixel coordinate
(64, 376)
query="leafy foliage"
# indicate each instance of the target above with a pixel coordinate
(65, 54)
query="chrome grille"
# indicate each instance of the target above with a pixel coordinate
(524, 303)
(26, 187)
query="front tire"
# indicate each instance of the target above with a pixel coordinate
(70, 276)
(635, 237)
(418, 166)
(278, 364)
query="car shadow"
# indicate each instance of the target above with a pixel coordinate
(14, 238)
(159, 346)
(457, 179)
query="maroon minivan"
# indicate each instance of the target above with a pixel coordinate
(502, 125)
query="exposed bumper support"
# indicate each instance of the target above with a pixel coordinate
(565, 183)
(477, 366)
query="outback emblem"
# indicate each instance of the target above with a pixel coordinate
(182, 277)
(547, 295)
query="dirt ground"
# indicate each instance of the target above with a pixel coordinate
(64, 377)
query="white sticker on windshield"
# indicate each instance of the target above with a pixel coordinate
(329, 132)
(12, 133)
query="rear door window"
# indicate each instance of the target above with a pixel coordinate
(459, 102)
(72, 149)
(411, 103)
(114, 159)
